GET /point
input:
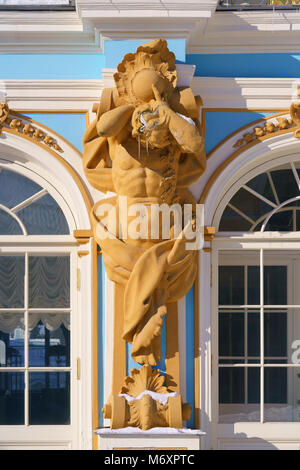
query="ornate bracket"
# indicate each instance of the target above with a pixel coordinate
(146, 403)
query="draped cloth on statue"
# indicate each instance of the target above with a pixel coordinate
(152, 278)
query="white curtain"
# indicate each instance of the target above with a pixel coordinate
(52, 321)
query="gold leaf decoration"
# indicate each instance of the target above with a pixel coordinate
(270, 127)
(20, 125)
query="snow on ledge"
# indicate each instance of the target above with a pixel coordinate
(150, 432)
(160, 397)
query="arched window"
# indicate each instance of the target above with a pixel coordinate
(26, 208)
(268, 202)
(35, 303)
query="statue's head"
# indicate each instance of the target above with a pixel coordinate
(151, 64)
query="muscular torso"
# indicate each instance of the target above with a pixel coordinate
(137, 173)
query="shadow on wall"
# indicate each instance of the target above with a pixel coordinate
(267, 65)
(240, 441)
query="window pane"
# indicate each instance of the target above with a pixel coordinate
(49, 347)
(253, 383)
(253, 330)
(275, 285)
(231, 385)
(44, 217)
(275, 334)
(15, 188)
(8, 225)
(239, 394)
(233, 222)
(261, 185)
(49, 281)
(231, 334)
(11, 398)
(231, 285)
(12, 269)
(275, 385)
(11, 339)
(281, 222)
(253, 285)
(285, 184)
(49, 398)
(282, 403)
(249, 204)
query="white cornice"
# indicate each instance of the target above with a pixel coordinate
(252, 93)
(51, 94)
(248, 32)
(205, 30)
(94, 21)
(172, 8)
(219, 92)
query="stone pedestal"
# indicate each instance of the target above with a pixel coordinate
(155, 438)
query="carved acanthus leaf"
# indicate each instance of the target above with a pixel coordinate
(144, 379)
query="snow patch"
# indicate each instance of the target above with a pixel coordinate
(160, 397)
(152, 431)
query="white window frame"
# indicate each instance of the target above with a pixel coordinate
(257, 159)
(64, 435)
(292, 262)
(52, 176)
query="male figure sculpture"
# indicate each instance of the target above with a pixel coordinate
(146, 145)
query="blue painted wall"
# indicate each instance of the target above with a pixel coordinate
(70, 126)
(283, 65)
(115, 50)
(51, 66)
(89, 66)
(219, 125)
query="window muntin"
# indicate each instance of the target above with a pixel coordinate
(268, 202)
(258, 331)
(28, 209)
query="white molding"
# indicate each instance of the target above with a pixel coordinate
(248, 32)
(94, 21)
(263, 93)
(143, 19)
(51, 94)
(216, 92)
(206, 31)
(105, 8)
(46, 32)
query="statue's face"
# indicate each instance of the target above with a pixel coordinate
(142, 84)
